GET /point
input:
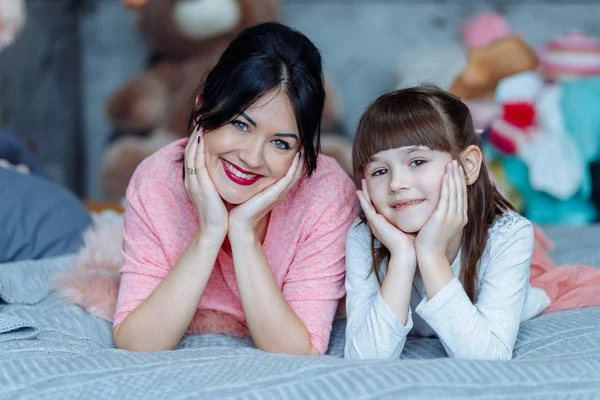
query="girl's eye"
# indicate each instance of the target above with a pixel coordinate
(379, 172)
(280, 144)
(417, 163)
(240, 126)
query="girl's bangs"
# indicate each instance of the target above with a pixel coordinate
(395, 123)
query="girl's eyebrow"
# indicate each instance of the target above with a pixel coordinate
(413, 149)
(407, 149)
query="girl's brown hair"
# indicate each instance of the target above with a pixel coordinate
(429, 116)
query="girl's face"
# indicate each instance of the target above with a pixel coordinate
(254, 150)
(405, 184)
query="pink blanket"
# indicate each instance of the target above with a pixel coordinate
(573, 286)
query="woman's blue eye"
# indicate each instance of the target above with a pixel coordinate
(280, 144)
(417, 163)
(379, 172)
(240, 126)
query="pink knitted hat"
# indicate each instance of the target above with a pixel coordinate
(571, 55)
(483, 29)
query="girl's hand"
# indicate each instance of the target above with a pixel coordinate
(396, 241)
(450, 216)
(211, 211)
(245, 217)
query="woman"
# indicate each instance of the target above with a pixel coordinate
(252, 239)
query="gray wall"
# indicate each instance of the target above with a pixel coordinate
(362, 43)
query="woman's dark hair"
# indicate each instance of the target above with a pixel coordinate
(428, 116)
(262, 59)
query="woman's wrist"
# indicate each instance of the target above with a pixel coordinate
(241, 234)
(207, 240)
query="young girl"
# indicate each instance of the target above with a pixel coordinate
(438, 250)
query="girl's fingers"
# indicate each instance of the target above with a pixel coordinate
(365, 203)
(462, 192)
(453, 199)
(366, 191)
(442, 207)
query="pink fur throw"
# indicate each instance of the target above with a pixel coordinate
(93, 282)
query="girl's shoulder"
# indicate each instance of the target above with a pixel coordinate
(360, 232)
(508, 223)
(510, 231)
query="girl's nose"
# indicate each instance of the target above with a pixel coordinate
(399, 183)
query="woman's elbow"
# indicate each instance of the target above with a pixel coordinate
(122, 340)
(295, 351)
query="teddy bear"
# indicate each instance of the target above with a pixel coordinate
(187, 38)
(493, 53)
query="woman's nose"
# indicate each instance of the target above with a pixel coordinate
(252, 155)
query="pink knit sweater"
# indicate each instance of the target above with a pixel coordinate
(305, 246)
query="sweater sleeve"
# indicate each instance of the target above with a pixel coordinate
(144, 262)
(315, 281)
(373, 329)
(487, 329)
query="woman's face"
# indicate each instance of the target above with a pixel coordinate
(254, 150)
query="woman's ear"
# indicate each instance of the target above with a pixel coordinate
(471, 159)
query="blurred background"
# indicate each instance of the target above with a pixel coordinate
(90, 87)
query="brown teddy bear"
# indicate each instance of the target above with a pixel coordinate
(486, 66)
(187, 37)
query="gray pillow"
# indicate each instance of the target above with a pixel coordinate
(38, 218)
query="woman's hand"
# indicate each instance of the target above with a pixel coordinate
(211, 211)
(449, 218)
(396, 241)
(245, 217)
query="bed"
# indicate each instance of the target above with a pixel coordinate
(50, 349)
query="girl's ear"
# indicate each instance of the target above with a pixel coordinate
(471, 159)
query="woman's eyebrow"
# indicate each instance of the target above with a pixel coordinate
(290, 135)
(243, 114)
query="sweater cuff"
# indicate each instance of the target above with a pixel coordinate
(451, 299)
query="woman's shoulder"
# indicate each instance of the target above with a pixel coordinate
(162, 168)
(329, 183)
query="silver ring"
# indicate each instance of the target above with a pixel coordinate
(191, 171)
